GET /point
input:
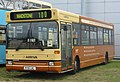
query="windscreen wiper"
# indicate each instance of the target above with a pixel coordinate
(23, 39)
(31, 40)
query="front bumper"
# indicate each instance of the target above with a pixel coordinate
(41, 66)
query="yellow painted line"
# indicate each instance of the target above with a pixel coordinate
(91, 59)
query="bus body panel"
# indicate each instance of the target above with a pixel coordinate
(41, 66)
(2, 54)
(47, 54)
(3, 17)
(92, 55)
(39, 59)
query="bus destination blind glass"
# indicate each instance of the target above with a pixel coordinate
(43, 14)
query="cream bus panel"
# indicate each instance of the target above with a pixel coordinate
(91, 21)
(33, 54)
(8, 17)
(68, 16)
(96, 23)
(54, 14)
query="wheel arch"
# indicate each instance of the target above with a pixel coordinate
(78, 59)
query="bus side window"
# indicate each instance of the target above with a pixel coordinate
(100, 36)
(106, 39)
(110, 36)
(85, 35)
(2, 36)
(93, 35)
(76, 34)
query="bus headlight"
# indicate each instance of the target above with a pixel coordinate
(51, 63)
(10, 62)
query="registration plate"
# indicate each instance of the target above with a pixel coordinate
(29, 68)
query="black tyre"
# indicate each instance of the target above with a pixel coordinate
(106, 59)
(76, 66)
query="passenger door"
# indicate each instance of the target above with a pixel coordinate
(66, 45)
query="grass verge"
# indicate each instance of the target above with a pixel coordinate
(98, 73)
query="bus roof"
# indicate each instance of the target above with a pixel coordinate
(91, 21)
(64, 15)
(83, 18)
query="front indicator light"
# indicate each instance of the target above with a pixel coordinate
(56, 52)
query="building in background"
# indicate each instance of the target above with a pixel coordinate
(106, 10)
(75, 6)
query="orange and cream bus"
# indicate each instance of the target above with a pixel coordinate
(52, 40)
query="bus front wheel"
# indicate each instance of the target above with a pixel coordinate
(76, 66)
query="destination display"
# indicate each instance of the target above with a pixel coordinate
(27, 15)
